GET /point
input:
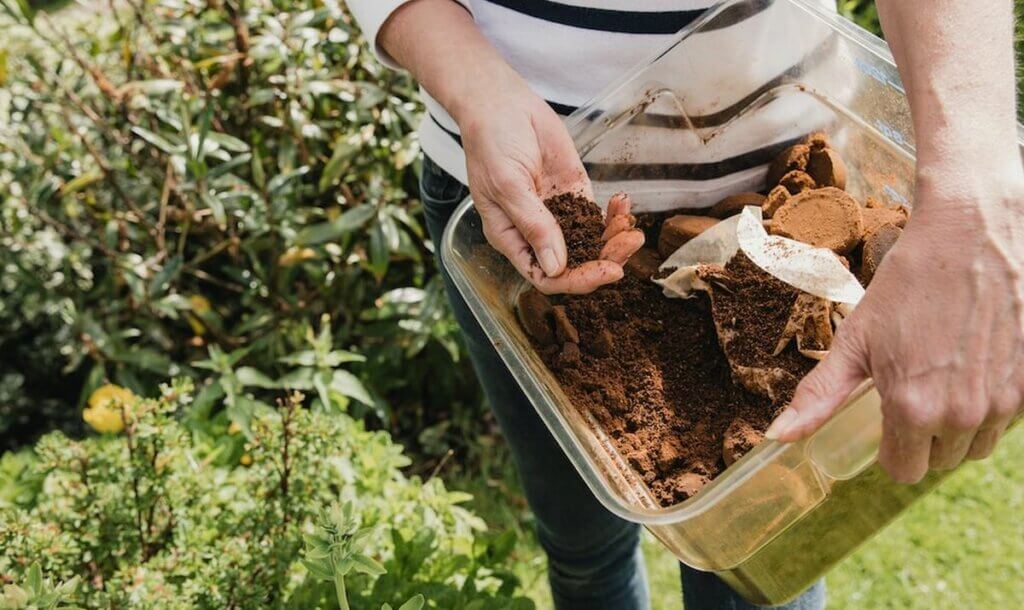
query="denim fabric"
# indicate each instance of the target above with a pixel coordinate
(594, 559)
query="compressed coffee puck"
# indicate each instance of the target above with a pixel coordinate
(734, 204)
(875, 217)
(825, 218)
(537, 316)
(827, 168)
(778, 196)
(876, 245)
(644, 263)
(565, 332)
(680, 229)
(794, 157)
(797, 181)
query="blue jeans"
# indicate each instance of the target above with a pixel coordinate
(594, 558)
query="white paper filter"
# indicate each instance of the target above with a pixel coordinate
(817, 271)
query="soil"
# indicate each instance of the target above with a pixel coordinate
(582, 225)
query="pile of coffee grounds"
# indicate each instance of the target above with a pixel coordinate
(651, 370)
(668, 380)
(750, 309)
(582, 225)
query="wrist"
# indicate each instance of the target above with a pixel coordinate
(483, 90)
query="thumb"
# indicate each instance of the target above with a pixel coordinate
(538, 227)
(822, 391)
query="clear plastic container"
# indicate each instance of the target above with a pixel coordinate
(781, 517)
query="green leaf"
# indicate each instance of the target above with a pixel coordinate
(228, 142)
(152, 87)
(279, 181)
(318, 570)
(159, 141)
(249, 376)
(163, 279)
(344, 149)
(35, 579)
(343, 225)
(226, 167)
(415, 603)
(79, 182)
(258, 176)
(348, 384)
(217, 207)
(299, 379)
(367, 565)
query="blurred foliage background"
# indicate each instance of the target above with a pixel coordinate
(225, 193)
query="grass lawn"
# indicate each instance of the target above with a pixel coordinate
(962, 547)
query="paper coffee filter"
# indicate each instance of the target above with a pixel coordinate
(817, 271)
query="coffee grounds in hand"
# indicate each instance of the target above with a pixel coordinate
(582, 225)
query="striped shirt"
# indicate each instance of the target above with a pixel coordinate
(571, 50)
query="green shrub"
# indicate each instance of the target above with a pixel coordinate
(183, 175)
(162, 515)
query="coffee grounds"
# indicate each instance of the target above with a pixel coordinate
(582, 225)
(751, 310)
(651, 372)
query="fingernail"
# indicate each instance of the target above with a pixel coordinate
(548, 261)
(782, 424)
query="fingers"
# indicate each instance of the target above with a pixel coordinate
(619, 205)
(1004, 410)
(622, 246)
(505, 237)
(986, 439)
(583, 279)
(950, 449)
(823, 390)
(538, 227)
(617, 224)
(905, 451)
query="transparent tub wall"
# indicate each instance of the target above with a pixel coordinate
(778, 519)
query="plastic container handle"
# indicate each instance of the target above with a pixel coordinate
(848, 443)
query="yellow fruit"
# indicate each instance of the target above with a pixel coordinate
(295, 255)
(200, 305)
(234, 428)
(106, 404)
(245, 460)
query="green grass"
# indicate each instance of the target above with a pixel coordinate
(962, 547)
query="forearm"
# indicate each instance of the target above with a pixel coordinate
(439, 43)
(956, 62)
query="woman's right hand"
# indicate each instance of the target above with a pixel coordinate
(518, 153)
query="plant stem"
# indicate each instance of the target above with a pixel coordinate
(339, 588)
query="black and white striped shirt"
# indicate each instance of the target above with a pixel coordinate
(570, 50)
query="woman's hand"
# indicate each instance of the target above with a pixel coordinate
(518, 153)
(941, 331)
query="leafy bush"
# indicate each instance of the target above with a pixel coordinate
(184, 175)
(161, 515)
